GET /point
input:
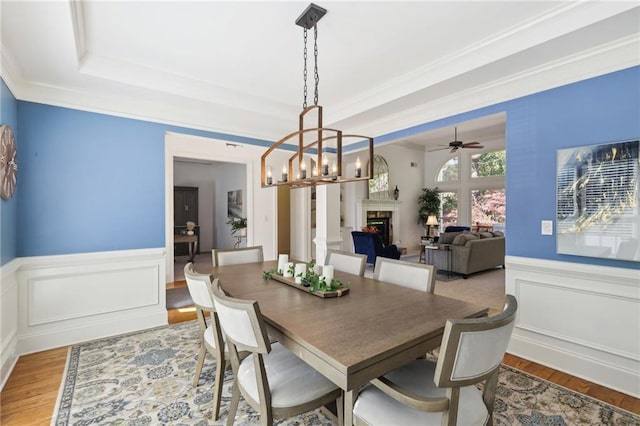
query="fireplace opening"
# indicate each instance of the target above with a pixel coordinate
(382, 225)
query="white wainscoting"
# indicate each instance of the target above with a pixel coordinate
(67, 299)
(8, 319)
(580, 319)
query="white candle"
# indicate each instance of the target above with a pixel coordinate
(358, 168)
(327, 273)
(288, 273)
(301, 269)
(282, 259)
(317, 269)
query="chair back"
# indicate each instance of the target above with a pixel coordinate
(241, 321)
(472, 349)
(236, 256)
(351, 263)
(365, 243)
(417, 276)
(455, 228)
(198, 285)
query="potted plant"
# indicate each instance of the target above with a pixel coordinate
(238, 224)
(429, 205)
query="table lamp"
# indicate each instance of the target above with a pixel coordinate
(432, 221)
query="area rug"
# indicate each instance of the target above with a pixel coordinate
(145, 378)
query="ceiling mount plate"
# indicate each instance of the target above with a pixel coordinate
(310, 17)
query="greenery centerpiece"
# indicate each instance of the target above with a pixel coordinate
(311, 280)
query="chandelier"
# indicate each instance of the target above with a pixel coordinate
(318, 158)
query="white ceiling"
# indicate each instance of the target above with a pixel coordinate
(236, 67)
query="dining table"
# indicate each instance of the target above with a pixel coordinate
(373, 329)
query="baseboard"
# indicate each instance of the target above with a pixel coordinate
(576, 364)
(42, 340)
(8, 318)
(580, 319)
(9, 360)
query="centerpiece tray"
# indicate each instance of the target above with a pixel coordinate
(320, 293)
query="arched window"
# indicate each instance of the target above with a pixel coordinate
(379, 183)
(450, 171)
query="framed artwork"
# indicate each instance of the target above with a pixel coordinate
(234, 203)
(598, 201)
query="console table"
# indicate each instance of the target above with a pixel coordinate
(192, 242)
(432, 250)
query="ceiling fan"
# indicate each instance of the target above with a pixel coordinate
(455, 144)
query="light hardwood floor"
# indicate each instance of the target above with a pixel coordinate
(30, 394)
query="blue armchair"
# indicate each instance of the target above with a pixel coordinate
(370, 244)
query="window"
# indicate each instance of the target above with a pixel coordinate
(488, 207)
(379, 182)
(449, 172)
(488, 164)
(449, 203)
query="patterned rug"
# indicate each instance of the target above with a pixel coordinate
(145, 378)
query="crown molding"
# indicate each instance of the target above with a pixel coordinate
(559, 22)
(615, 56)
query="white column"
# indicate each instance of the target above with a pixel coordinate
(301, 224)
(327, 220)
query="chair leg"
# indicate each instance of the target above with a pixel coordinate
(200, 364)
(221, 366)
(340, 408)
(235, 399)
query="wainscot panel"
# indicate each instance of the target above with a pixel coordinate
(8, 318)
(580, 319)
(68, 299)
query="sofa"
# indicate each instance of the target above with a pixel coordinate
(370, 244)
(470, 251)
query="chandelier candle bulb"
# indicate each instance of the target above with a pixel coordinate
(325, 166)
(303, 170)
(358, 168)
(269, 177)
(284, 173)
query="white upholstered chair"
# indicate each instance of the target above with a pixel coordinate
(272, 380)
(351, 263)
(221, 257)
(198, 285)
(443, 392)
(417, 276)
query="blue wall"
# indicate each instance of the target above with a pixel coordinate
(92, 182)
(9, 208)
(598, 110)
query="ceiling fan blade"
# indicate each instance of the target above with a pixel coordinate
(454, 149)
(474, 146)
(470, 143)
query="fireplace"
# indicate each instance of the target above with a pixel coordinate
(389, 210)
(383, 226)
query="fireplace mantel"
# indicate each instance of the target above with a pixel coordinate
(364, 206)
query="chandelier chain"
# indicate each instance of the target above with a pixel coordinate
(315, 58)
(304, 73)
